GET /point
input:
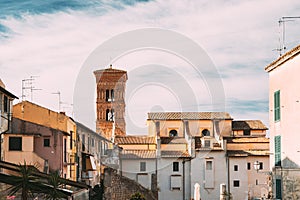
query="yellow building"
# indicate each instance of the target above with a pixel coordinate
(43, 137)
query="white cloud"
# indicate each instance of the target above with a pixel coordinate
(238, 35)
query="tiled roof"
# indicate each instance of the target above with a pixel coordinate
(282, 59)
(188, 115)
(134, 140)
(248, 152)
(112, 70)
(248, 124)
(137, 154)
(248, 140)
(175, 154)
(172, 140)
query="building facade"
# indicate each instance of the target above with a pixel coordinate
(284, 108)
(43, 137)
(110, 102)
(6, 99)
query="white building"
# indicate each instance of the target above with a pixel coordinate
(205, 148)
(284, 109)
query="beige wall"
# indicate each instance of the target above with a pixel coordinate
(27, 154)
(195, 126)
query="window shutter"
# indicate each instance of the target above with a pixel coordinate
(278, 150)
(277, 105)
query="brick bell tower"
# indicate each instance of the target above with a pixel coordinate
(111, 84)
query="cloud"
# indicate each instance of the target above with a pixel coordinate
(239, 37)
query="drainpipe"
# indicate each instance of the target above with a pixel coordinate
(183, 181)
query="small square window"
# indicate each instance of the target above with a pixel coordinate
(15, 144)
(46, 142)
(236, 183)
(142, 166)
(175, 166)
(207, 143)
(236, 168)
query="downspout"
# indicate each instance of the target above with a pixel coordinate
(183, 181)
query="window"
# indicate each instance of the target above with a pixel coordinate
(142, 166)
(46, 142)
(261, 165)
(277, 106)
(248, 166)
(205, 132)
(65, 150)
(247, 132)
(277, 150)
(175, 166)
(107, 95)
(236, 183)
(173, 133)
(256, 182)
(83, 143)
(112, 93)
(208, 165)
(236, 168)
(5, 104)
(207, 143)
(110, 115)
(176, 181)
(93, 142)
(278, 189)
(71, 139)
(15, 144)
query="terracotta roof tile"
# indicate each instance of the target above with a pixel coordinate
(135, 140)
(248, 140)
(175, 154)
(188, 115)
(248, 152)
(248, 125)
(137, 154)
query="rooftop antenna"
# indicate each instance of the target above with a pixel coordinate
(27, 84)
(281, 23)
(59, 100)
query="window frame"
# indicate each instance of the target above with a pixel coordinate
(143, 166)
(11, 147)
(175, 166)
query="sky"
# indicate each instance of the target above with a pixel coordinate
(53, 41)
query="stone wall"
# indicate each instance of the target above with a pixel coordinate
(117, 187)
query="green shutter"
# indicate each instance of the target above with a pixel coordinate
(277, 150)
(278, 189)
(277, 105)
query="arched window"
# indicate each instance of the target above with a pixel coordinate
(205, 132)
(107, 95)
(173, 133)
(112, 95)
(107, 114)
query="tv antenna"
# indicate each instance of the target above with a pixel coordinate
(27, 84)
(282, 30)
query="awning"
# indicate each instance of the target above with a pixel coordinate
(90, 163)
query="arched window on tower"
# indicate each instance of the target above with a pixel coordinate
(112, 95)
(173, 133)
(107, 115)
(205, 132)
(107, 95)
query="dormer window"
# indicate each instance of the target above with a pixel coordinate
(173, 133)
(205, 132)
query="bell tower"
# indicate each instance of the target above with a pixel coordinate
(110, 102)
